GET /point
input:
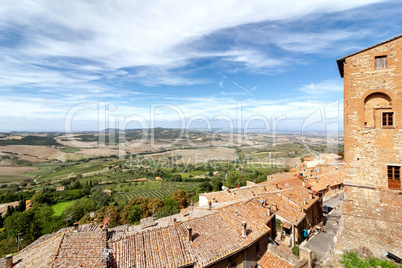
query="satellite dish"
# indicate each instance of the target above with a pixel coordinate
(223, 187)
(287, 185)
(261, 201)
(92, 214)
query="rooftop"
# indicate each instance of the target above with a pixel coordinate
(341, 61)
(150, 248)
(270, 260)
(331, 179)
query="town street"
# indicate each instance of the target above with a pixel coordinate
(323, 244)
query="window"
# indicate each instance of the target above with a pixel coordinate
(374, 105)
(387, 119)
(381, 62)
(394, 177)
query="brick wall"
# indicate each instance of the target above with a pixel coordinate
(369, 148)
(370, 212)
(371, 218)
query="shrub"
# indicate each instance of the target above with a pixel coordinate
(351, 260)
(295, 250)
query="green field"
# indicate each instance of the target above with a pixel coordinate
(60, 207)
(70, 150)
(42, 171)
(5, 179)
(191, 173)
(73, 170)
(153, 189)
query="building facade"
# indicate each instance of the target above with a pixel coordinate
(371, 214)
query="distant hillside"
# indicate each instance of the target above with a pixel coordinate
(30, 140)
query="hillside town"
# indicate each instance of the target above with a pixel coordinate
(192, 134)
(273, 223)
(257, 224)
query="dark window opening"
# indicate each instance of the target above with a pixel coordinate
(388, 119)
(381, 62)
(394, 177)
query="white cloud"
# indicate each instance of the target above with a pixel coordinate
(110, 35)
(65, 51)
(323, 87)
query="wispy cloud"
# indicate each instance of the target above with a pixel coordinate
(323, 87)
(104, 38)
(56, 54)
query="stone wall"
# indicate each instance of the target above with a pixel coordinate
(371, 214)
(371, 218)
(368, 146)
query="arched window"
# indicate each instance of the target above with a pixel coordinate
(377, 110)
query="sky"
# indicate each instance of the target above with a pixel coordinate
(257, 65)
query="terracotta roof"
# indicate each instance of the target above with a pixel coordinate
(147, 222)
(65, 248)
(286, 225)
(81, 249)
(269, 260)
(41, 255)
(151, 248)
(237, 213)
(213, 238)
(286, 181)
(286, 210)
(261, 212)
(243, 193)
(341, 61)
(297, 195)
(324, 180)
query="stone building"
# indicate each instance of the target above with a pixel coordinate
(236, 231)
(371, 212)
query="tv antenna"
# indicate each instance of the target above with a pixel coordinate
(69, 216)
(153, 210)
(19, 244)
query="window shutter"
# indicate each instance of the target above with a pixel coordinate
(381, 62)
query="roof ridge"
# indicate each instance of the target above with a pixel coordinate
(342, 60)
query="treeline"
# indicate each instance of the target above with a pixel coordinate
(31, 140)
(30, 224)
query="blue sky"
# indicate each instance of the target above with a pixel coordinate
(84, 65)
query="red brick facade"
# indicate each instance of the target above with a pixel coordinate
(373, 145)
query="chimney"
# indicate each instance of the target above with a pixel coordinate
(269, 211)
(190, 233)
(304, 183)
(209, 204)
(311, 196)
(174, 220)
(9, 261)
(243, 229)
(76, 226)
(275, 207)
(96, 221)
(305, 201)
